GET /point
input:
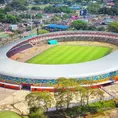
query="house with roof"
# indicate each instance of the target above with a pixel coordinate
(13, 27)
(56, 27)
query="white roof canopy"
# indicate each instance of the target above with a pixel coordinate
(36, 71)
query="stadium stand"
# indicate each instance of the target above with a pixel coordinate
(15, 52)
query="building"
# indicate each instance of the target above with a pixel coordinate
(19, 75)
(56, 27)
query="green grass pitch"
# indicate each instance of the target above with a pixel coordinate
(68, 54)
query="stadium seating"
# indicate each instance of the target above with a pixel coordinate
(61, 37)
(51, 82)
(18, 49)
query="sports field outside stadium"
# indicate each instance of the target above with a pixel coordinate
(70, 54)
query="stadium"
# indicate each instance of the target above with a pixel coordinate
(35, 62)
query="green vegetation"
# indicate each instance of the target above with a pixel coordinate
(92, 108)
(79, 25)
(17, 5)
(113, 27)
(110, 11)
(36, 8)
(37, 114)
(39, 102)
(49, 1)
(82, 25)
(25, 116)
(9, 18)
(42, 6)
(39, 98)
(43, 32)
(9, 114)
(70, 54)
(93, 8)
(51, 9)
(3, 35)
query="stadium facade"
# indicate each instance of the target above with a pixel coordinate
(19, 75)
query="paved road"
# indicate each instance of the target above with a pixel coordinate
(5, 92)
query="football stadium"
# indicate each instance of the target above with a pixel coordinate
(35, 62)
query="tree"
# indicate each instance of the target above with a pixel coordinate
(92, 28)
(66, 16)
(8, 8)
(55, 19)
(67, 89)
(38, 15)
(83, 94)
(94, 8)
(37, 1)
(48, 9)
(36, 8)
(2, 17)
(101, 28)
(57, 9)
(2, 11)
(11, 19)
(80, 94)
(79, 1)
(99, 94)
(79, 25)
(113, 27)
(109, 11)
(42, 100)
(18, 4)
(89, 92)
(38, 113)
(65, 92)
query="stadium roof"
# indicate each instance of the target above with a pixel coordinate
(39, 71)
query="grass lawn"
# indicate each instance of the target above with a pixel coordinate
(9, 114)
(41, 6)
(69, 54)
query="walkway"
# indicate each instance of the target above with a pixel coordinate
(105, 90)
